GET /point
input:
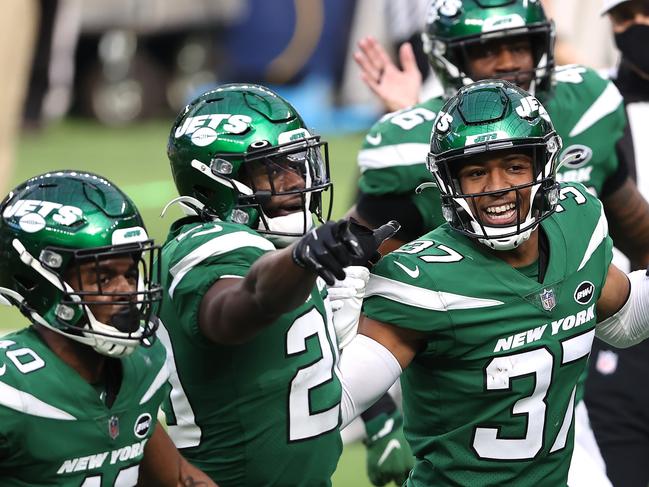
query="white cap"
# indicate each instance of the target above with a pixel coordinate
(609, 4)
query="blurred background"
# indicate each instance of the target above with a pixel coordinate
(95, 85)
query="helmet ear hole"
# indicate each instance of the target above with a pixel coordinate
(202, 194)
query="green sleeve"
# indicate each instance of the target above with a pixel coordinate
(189, 292)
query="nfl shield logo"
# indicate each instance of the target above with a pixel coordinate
(548, 300)
(606, 362)
(113, 427)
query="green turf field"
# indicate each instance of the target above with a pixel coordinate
(135, 159)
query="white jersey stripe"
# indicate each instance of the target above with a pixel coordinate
(216, 246)
(607, 103)
(160, 379)
(392, 155)
(424, 298)
(26, 403)
(185, 433)
(599, 234)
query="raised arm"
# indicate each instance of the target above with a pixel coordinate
(396, 88)
(372, 362)
(623, 308)
(234, 310)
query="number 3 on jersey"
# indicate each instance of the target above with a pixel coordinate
(488, 442)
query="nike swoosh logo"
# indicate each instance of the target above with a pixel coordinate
(387, 428)
(414, 273)
(392, 445)
(374, 139)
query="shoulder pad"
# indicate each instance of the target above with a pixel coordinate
(406, 125)
(587, 82)
(215, 238)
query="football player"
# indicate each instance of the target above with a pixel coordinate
(471, 40)
(256, 397)
(491, 316)
(80, 389)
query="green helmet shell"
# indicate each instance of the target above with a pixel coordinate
(56, 218)
(452, 25)
(221, 131)
(490, 116)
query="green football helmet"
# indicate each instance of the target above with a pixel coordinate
(225, 140)
(453, 26)
(55, 224)
(494, 116)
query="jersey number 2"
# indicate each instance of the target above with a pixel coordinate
(303, 422)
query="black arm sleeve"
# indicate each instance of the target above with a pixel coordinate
(626, 164)
(384, 405)
(376, 210)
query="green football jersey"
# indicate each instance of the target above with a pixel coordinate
(55, 429)
(489, 401)
(586, 110)
(266, 412)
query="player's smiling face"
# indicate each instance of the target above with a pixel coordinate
(497, 174)
(275, 176)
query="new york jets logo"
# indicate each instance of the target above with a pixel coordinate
(293, 136)
(128, 235)
(529, 107)
(444, 121)
(584, 292)
(202, 128)
(576, 156)
(486, 137)
(447, 8)
(142, 425)
(32, 214)
(502, 22)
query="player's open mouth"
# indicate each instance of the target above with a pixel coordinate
(500, 214)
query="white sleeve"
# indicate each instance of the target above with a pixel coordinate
(367, 370)
(346, 298)
(630, 325)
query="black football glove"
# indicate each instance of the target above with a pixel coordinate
(330, 248)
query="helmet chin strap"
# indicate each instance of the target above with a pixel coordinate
(507, 243)
(298, 224)
(492, 240)
(119, 344)
(113, 348)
